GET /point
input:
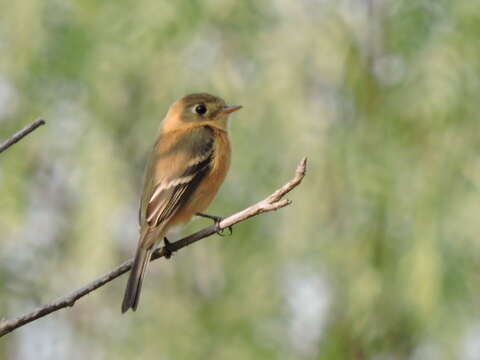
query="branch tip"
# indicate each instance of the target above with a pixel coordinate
(21, 134)
(302, 167)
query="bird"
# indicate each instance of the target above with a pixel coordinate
(187, 165)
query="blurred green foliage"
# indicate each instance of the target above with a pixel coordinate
(378, 258)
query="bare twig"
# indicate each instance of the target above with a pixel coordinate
(272, 202)
(21, 134)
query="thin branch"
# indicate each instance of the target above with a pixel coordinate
(21, 134)
(272, 202)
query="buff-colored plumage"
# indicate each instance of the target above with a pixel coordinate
(186, 168)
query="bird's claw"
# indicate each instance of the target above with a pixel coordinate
(168, 251)
(217, 220)
(221, 231)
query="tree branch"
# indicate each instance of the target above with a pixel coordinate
(21, 134)
(272, 202)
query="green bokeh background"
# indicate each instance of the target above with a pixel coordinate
(377, 258)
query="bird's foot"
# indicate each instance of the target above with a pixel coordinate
(216, 220)
(167, 248)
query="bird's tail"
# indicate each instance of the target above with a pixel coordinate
(146, 245)
(134, 285)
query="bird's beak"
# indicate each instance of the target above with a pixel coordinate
(231, 108)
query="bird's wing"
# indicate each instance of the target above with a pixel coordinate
(177, 167)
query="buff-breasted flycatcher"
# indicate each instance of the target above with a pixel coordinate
(189, 162)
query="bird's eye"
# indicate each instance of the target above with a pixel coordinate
(200, 109)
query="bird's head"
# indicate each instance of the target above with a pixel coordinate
(199, 109)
